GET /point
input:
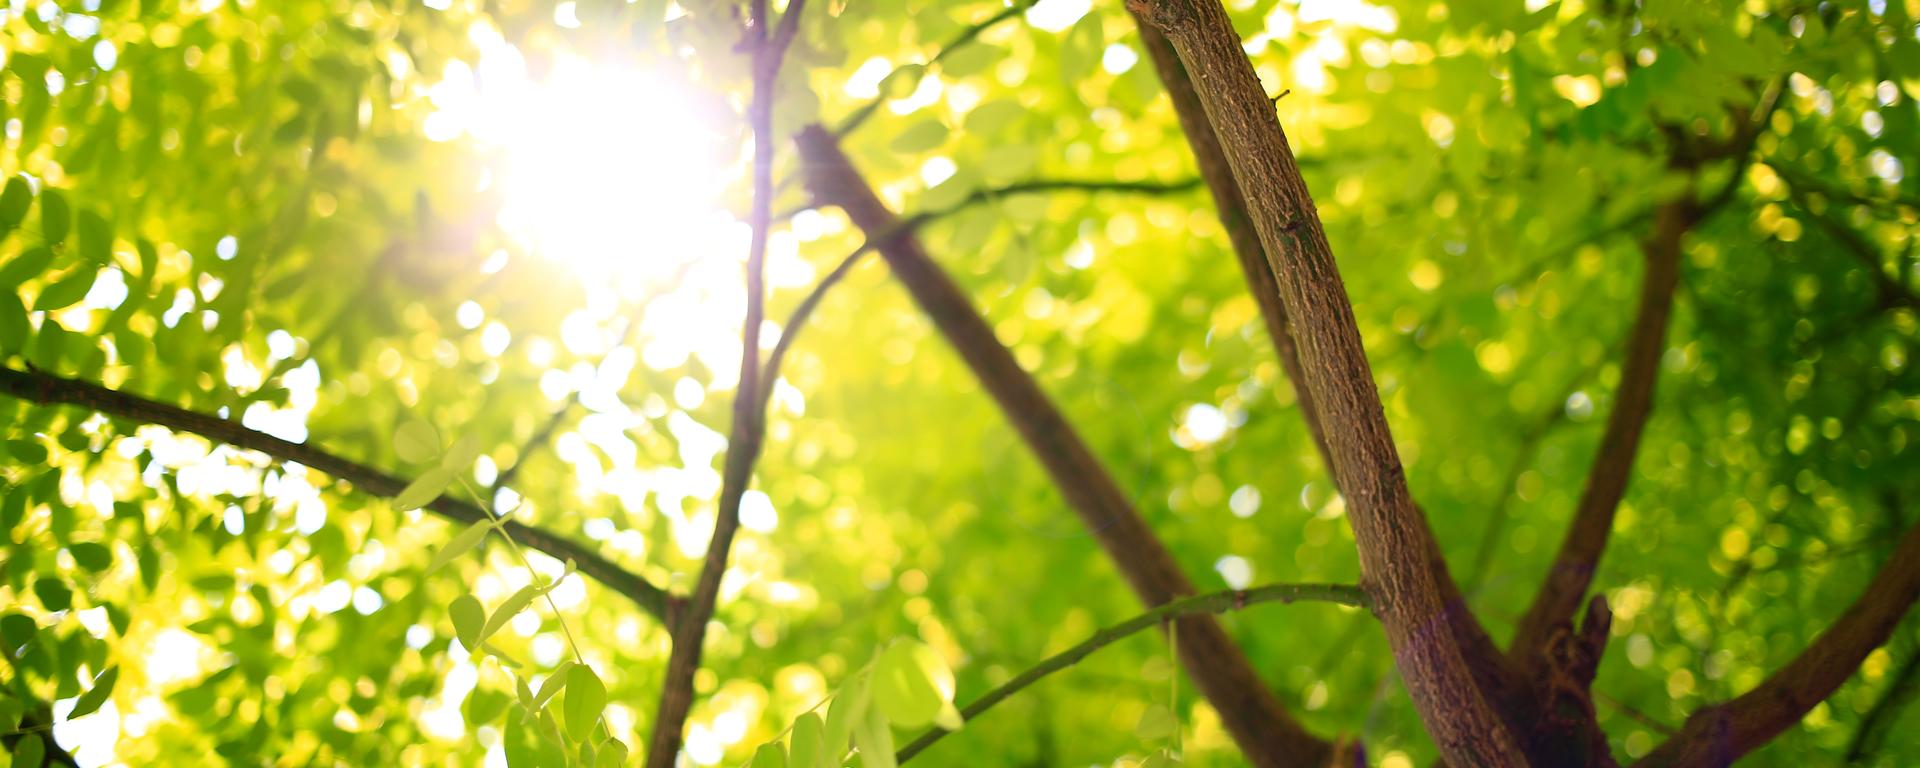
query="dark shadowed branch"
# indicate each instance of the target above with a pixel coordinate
(1880, 718)
(45, 388)
(1719, 734)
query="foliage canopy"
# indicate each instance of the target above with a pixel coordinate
(372, 373)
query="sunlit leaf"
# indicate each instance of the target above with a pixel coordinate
(424, 489)
(556, 680)
(514, 604)
(461, 543)
(807, 743)
(848, 708)
(56, 218)
(96, 695)
(468, 617)
(416, 442)
(585, 697)
(1158, 722)
(874, 739)
(903, 686)
(769, 756)
(65, 291)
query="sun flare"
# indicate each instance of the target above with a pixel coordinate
(610, 169)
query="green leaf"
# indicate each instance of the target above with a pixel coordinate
(29, 751)
(808, 744)
(67, 290)
(1161, 759)
(91, 556)
(25, 266)
(96, 238)
(586, 696)
(56, 218)
(903, 685)
(423, 490)
(1158, 722)
(848, 708)
(468, 617)
(416, 442)
(14, 202)
(14, 325)
(17, 630)
(875, 740)
(461, 455)
(90, 702)
(461, 543)
(509, 609)
(556, 680)
(990, 118)
(769, 756)
(53, 594)
(613, 754)
(902, 82)
(921, 136)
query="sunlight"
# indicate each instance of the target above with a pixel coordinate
(610, 169)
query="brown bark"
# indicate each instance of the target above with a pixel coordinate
(1232, 209)
(1266, 733)
(748, 432)
(1572, 571)
(1397, 552)
(46, 388)
(1722, 733)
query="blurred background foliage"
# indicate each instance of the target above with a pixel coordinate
(325, 218)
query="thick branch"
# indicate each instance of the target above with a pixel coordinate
(1398, 555)
(1722, 733)
(48, 389)
(1232, 209)
(749, 408)
(1567, 580)
(1264, 731)
(1214, 602)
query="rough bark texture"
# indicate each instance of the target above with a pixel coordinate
(1397, 551)
(46, 388)
(1720, 734)
(1572, 571)
(1232, 209)
(1266, 733)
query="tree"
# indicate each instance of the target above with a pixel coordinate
(383, 386)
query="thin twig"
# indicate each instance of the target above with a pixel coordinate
(48, 389)
(1214, 602)
(959, 41)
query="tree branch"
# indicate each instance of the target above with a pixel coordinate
(1720, 734)
(1232, 209)
(1264, 730)
(959, 41)
(749, 408)
(1214, 602)
(1886, 711)
(1412, 593)
(48, 389)
(1572, 571)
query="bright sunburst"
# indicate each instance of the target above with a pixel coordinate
(607, 168)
